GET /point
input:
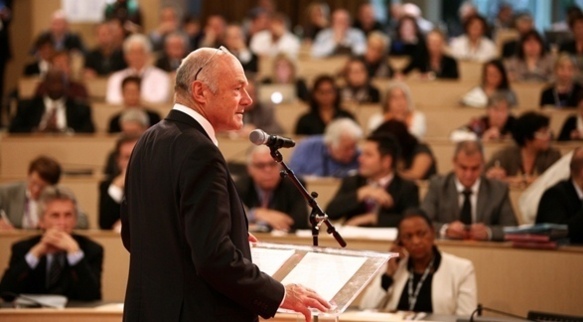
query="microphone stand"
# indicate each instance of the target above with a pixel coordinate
(481, 308)
(317, 215)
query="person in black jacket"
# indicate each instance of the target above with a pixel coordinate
(432, 61)
(175, 49)
(57, 261)
(563, 92)
(572, 128)
(358, 88)
(130, 91)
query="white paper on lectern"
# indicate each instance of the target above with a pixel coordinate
(324, 273)
(270, 260)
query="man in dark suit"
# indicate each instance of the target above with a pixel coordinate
(182, 219)
(61, 35)
(464, 204)
(272, 201)
(563, 202)
(377, 195)
(57, 261)
(44, 51)
(175, 48)
(54, 112)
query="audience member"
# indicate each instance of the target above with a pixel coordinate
(377, 195)
(339, 38)
(106, 57)
(574, 46)
(572, 128)
(446, 283)
(285, 72)
(503, 20)
(466, 205)
(531, 155)
(61, 35)
(413, 10)
(169, 23)
(398, 105)
(44, 51)
(473, 45)
(191, 28)
(53, 112)
(276, 39)
(358, 88)
(564, 91)
(334, 154)
(497, 124)
(133, 122)
(324, 107)
(257, 20)
(494, 80)
(455, 23)
(175, 48)
(523, 24)
(213, 32)
(57, 261)
(408, 39)
(258, 115)
(416, 160)
(155, 82)
(366, 20)
(432, 61)
(126, 11)
(236, 44)
(111, 190)
(531, 63)
(317, 14)
(130, 90)
(562, 203)
(272, 201)
(76, 91)
(376, 56)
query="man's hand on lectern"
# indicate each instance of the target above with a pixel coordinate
(301, 299)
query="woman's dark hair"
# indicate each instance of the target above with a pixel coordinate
(131, 79)
(497, 63)
(527, 125)
(407, 142)
(354, 59)
(400, 25)
(532, 34)
(317, 83)
(479, 18)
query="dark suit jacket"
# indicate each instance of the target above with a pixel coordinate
(114, 126)
(105, 65)
(493, 206)
(32, 69)
(569, 126)
(109, 209)
(286, 198)
(186, 230)
(560, 204)
(549, 97)
(71, 41)
(165, 64)
(30, 112)
(79, 282)
(345, 203)
(311, 123)
(448, 68)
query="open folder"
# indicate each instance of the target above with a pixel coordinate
(335, 274)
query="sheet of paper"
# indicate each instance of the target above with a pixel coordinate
(324, 273)
(84, 11)
(270, 260)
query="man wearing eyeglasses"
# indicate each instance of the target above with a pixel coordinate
(182, 219)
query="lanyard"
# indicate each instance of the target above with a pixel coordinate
(413, 295)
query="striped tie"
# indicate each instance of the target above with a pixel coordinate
(56, 269)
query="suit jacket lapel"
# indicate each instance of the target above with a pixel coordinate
(454, 200)
(482, 203)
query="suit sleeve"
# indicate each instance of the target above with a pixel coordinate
(506, 217)
(408, 198)
(17, 277)
(345, 203)
(86, 274)
(108, 208)
(206, 211)
(430, 203)
(84, 123)
(299, 211)
(575, 225)
(21, 122)
(551, 208)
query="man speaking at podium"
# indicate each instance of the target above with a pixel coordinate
(182, 220)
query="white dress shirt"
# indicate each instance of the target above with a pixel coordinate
(61, 113)
(206, 125)
(262, 44)
(461, 49)
(155, 87)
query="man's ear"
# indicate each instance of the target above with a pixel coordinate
(198, 91)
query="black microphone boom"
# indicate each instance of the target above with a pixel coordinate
(259, 137)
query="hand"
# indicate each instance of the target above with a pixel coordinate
(369, 219)
(339, 35)
(393, 263)
(492, 133)
(276, 219)
(479, 232)
(300, 299)
(252, 238)
(496, 172)
(456, 230)
(379, 195)
(4, 225)
(60, 240)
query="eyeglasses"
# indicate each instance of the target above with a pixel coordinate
(220, 49)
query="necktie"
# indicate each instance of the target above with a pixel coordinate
(466, 213)
(56, 269)
(265, 199)
(51, 125)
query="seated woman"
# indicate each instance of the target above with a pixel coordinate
(398, 105)
(408, 39)
(494, 79)
(358, 89)
(497, 124)
(324, 107)
(375, 57)
(285, 72)
(532, 63)
(416, 161)
(563, 92)
(572, 129)
(443, 283)
(532, 154)
(434, 62)
(473, 45)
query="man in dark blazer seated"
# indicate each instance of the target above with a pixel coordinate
(182, 220)
(54, 112)
(57, 261)
(464, 204)
(272, 201)
(377, 195)
(563, 202)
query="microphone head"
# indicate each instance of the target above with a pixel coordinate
(258, 137)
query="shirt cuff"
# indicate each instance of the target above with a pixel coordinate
(115, 192)
(75, 258)
(443, 230)
(489, 231)
(31, 260)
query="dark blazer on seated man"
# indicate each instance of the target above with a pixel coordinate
(30, 114)
(493, 207)
(562, 204)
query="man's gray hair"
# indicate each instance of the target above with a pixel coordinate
(202, 59)
(343, 126)
(254, 149)
(137, 39)
(135, 115)
(469, 147)
(52, 193)
(404, 88)
(499, 96)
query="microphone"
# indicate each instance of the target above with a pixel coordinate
(259, 137)
(480, 308)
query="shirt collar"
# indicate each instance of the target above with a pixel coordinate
(384, 181)
(474, 188)
(577, 189)
(206, 125)
(50, 103)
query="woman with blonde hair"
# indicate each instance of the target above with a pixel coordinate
(563, 91)
(285, 72)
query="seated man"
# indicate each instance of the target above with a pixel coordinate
(333, 155)
(340, 38)
(111, 190)
(563, 202)
(133, 122)
(465, 204)
(57, 261)
(377, 195)
(444, 283)
(175, 48)
(258, 115)
(272, 201)
(19, 200)
(130, 91)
